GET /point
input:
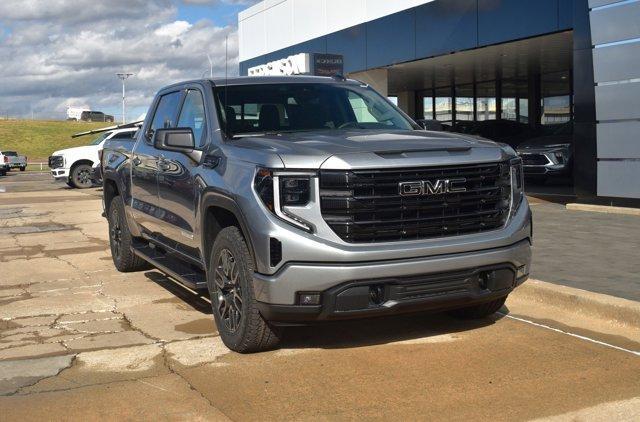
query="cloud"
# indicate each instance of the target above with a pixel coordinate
(211, 2)
(60, 52)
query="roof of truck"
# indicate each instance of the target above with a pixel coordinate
(254, 80)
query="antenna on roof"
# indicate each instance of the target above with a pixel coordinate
(226, 83)
(339, 77)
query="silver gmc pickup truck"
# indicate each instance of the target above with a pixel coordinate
(295, 200)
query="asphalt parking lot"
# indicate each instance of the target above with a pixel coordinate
(80, 341)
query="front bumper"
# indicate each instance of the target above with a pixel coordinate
(546, 170)
(461, 273)
(60, 173)
(544, 163)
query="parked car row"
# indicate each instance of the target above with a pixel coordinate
(11, 160)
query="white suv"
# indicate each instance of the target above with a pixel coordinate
(75, 165)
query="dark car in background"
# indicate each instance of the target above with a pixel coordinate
(548, 155)
(506, 131)
(96, 116)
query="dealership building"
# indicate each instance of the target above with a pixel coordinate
(510, 63)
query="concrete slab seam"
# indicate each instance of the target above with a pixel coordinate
(578, 336)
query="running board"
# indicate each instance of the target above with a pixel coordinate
(173, 267)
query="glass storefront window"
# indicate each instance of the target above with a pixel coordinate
(444, 105)
(486, 101)
(556, 98)
(523, 115)
(464, 103)
(515, 103)
(509, 109)
(427, 107)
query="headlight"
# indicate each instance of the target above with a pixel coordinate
(284, 191)
(517, 185)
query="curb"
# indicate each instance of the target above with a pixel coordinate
(603, 209)
(624, 311)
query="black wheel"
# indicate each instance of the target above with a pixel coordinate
(81, 176)
(235, 310)
(479, 311)
(120, 240)
(23, 168)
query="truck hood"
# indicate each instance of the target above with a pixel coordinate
(87, 150)
(339, 149)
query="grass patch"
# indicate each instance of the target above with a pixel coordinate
(37, 139)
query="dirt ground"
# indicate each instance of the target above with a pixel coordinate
(80, 341)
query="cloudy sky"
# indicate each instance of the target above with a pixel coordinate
(55, 53)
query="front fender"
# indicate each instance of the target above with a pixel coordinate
(216, 198)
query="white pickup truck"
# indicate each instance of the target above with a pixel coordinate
(75, 165)
(11, 160)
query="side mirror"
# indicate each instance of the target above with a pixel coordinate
(174, 139)
(179, 139)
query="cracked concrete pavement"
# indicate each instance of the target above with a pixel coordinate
(80, 341)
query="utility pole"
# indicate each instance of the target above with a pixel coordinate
(210, 66)
(123, 76)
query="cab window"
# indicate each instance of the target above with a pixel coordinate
(166, 111)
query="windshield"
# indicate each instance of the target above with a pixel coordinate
(100, 138)
(298, 107)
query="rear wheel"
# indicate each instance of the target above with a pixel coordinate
(479, 311)
(81, 176)
(23, 168)
(235, 310)
(120, 240)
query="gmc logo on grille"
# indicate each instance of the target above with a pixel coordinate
(435, 187)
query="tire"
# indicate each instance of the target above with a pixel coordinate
(80, 176)
(23, 168)
(479, 311)
(120, 240)
(235, 310)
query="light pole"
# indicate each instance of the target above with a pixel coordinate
(210, 66)
(123, 76)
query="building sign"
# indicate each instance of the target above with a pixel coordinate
(301, 64)
(328, 64)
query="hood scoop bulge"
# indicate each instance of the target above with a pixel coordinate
(409, 153)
